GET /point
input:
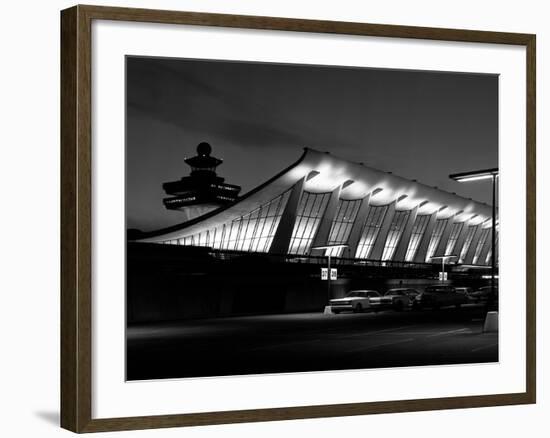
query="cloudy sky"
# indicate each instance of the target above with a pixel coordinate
(258, 117)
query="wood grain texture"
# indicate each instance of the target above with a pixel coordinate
(303, 412)
(76, 222)
(531, 220)
(69, 329)
(301, 25)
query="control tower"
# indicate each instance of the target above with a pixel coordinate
(203, 190)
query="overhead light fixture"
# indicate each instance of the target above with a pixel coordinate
(444, 257)
(475, 175)
(312, 175)
(348, 183)
(330, 246)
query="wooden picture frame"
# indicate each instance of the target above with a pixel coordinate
(76, 218)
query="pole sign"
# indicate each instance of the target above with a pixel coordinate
(443, 276)
(333, 273)
(324, 273)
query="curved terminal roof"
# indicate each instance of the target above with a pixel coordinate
(325, 172)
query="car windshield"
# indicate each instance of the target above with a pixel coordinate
(438, 289)
(373, 293)
(395, 292)
(356, 293)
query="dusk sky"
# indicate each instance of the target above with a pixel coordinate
(258, 117)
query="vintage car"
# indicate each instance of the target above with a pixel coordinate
(466, 291)
(354, 301)
(437, 296)
(483, 294)
(397, 299)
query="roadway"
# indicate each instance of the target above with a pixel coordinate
(308, 342)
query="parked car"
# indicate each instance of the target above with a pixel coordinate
(355, 301)
(483, 294)
(437, 296)
(399, 298)
(466, 291)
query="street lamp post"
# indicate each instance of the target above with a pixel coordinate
(443, 259)
(328, 264)
(477, 175)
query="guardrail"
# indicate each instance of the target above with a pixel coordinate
(335, 261)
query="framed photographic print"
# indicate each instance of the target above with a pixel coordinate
(269, 218)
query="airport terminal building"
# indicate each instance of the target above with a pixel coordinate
(359, 213)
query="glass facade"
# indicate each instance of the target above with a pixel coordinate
(341, 226)
(467, 242)
(394, 234)
(371, 228)
(436, 237)
(453, 237)
(251, 232)
(255, 231)
(310, 211)
(479, 247)
(419, 228)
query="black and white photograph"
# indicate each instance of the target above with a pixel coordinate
(289, 218)
(275, 219)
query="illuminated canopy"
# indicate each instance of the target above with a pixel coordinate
(356, 211)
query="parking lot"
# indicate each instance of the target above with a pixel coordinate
(308, 342)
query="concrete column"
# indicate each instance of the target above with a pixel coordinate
(485, 250)
(472, 248)
(323, 230)
(357, 227)
(401, 249)
(282, 237)
(420, 256)
(376, 253)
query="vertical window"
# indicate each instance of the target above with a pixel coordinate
(479, 247)
(251, 232)
(467, 242)
(371, 228)
(254, 231)
(310, 211)
(394, 234)
(453, 237)
(436, 237)
(342, 224)
(419, 227)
